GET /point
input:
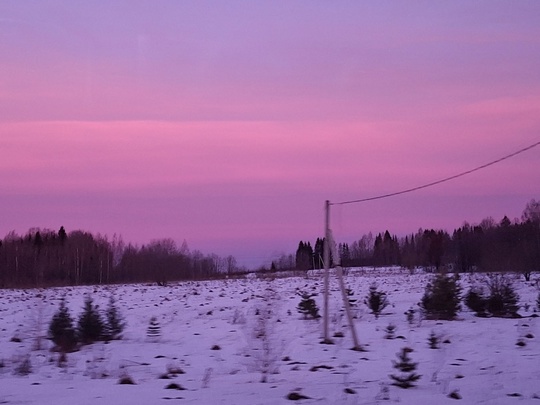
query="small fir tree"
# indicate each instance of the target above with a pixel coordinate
(441, 298)
(409, 315)
(407, 368)
(376, 300)
(308, 306)
(538, 302)
(433, 340)
(61, 330)
(154, 329)
(114, 323)
(390, 331)
(350, 295)
(90, 326)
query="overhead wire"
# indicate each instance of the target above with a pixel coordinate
(444, 180)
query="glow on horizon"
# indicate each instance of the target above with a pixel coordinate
(229, 126)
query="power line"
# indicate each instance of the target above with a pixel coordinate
(410, 190)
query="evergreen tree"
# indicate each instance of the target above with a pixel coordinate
(433, 340)
(61, 330)
(62, 235)
(376, 300)
(407, 368)
(390, 331)
(304, 256)
(154, 329)
(308, 306)
(350, 297)
(114, 323)
(90, 326)
(345, 254)
(318, 253)
(441, 298)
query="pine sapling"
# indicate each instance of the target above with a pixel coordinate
(390, 331)
(376, 300)
(90, 325)
(308, 306)
(154, 329)
(114, 323)
(441, 299)
(61, 330)
(433, 340)
(350, 295)
(407, 368)
(409, 315)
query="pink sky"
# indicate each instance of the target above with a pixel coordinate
(228, 124)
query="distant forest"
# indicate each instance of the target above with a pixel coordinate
(512, 246)
(45, 257)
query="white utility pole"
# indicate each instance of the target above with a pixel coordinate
(326, 259)
(327, 239)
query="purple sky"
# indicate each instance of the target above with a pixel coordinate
(228, 124)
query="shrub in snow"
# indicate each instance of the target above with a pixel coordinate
(407, 376)
(61, 330)
(125, 379)
(265, 350)
(90, 326)
(501, 299)
(114, 323)
(454, 395)
(206, 377)
(376, 300)
(441, 298)
(264, 345)
(296, 396)
(384, 392)
(24, 366)
(238, 317)
(174, 386)
(308, 306)
(174, 370)
(538, 302)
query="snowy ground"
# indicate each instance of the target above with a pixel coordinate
(481, 361)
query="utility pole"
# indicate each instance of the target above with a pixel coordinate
(326, 246)
(326, 259)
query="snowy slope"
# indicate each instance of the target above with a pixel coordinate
(481, 360)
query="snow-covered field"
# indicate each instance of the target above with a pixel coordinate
(209, 338)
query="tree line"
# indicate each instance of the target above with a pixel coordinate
(489, 246)
(44, 257)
